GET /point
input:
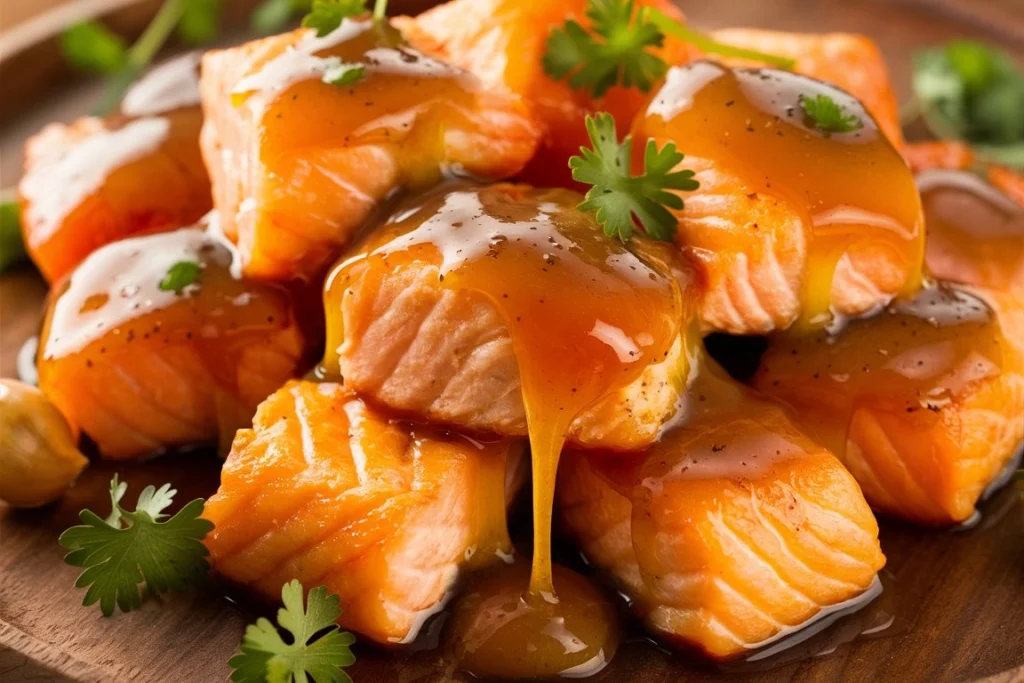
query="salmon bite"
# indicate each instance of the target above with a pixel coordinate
(455, 295)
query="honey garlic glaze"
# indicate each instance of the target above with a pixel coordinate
(975, 231)
(585, 316)
(208, 350)
(406, 98)
(848, 189)
(908, 362)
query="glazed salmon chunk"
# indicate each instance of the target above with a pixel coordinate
(503, 43)
(730, 532)
(848, 61)
(922, 402)
(796, 220)
(300, 154)
(410, 329)
(151, 343)
(97, 180)
(329, 491)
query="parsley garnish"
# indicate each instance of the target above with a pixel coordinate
(265, 656)
(326, 15)
(12, 248)
(616, 49)
(93, 47)
(343, 73)
(129, 548)
(616, 52)
(617, 196)
(825, 114)
(970, 91)
(273, 15)
(179, 276)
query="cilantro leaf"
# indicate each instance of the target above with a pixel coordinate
(179, 276)
(966, 90)
(93, 47)
(326, 15)
(617, 196)
(200, 22)
(129, 548)
(343, 73)
(615, 52)
(616, 49)
(12, 247)
(265, 656)
(825, 114)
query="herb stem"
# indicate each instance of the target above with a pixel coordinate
(380, 8)
(142, 52)
(670, 26)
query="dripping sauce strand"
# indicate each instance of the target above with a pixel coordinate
(585, 317)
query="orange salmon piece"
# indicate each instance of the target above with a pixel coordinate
(96, 181)
(922, 402)
(734, 530)
(141, 368)
(790, 223)
(298, 164)
(329, 491)
(848, 61)
(503, 42)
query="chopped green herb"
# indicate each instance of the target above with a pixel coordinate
(129, 548)
(825, 114)
(618, 197)
(179, 276)
(200, 22)
(312, 653)
(12, 248)
(970, 91)
(93, 47)
(616, 51)
(617, 48)
(344, 73)
(326, 15)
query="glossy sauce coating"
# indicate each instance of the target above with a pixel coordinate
(909, 360)
(574, 636)
(298, 163)
(98, 180)
(585, 316)
(975, 232)
(847, 188)
(732, 532)
(201, 358)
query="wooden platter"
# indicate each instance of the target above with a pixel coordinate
(952, 608)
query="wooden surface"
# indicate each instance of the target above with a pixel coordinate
(953, 604)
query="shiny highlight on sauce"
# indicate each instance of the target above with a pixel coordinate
(585, 316)
(975, 231)
(848, 188)
(908, 361)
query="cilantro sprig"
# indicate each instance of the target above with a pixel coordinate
(326, 15)
(970, 91)
(616, 51)
(130, 548)
(318, 648)
(827, 115)
(617, 48)
(93, 47)
(618, 197)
